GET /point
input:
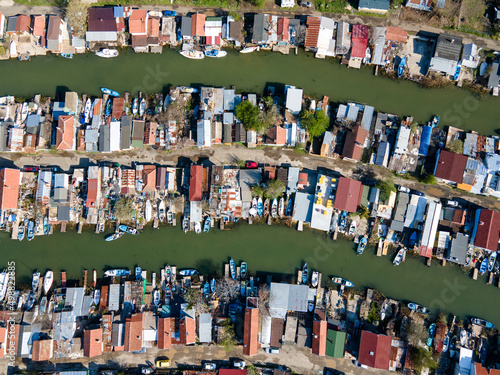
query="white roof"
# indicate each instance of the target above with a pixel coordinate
(402, 141)
(203, 138)
(293, 99)
(114, 136)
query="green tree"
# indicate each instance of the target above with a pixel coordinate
(427, 178)
(456, 146)
(123, 209)
(249, 115)
(257, 191)
(422, 359)
(76, 12)
(274, 189)
(269, 115)
(363, 212)
(315, 123)
(385, 187)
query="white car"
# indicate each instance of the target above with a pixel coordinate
(239, 364)
(146, 370)
(451, 203)
(209, 366)
(404, 189)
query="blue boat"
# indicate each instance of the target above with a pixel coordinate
(435, 121)
(305, 273)
(362, 244)
(117, 272)
(126, 228)
(457, 71)
(114, 236)
(343, 220)
(413, 239)
(179, 34)
(431, 334)
(343, 282)
(213, 284)
(109, 107)
(492, 261)
(208, 222)
(260, 207)
(243, 288)
(232, 268)
(188, 272)
(138, 273)
(135, 106)
(482, 322)
(243, 270)
(20, 232)
(46, 227)
(67, 55)
(109, 91)
(206, 289)
(289, 207)
(31, 230)
(82, 119)
(401, 66)
(484, 266)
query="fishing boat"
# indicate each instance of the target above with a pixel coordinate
(352, 228)
(166, 102)
(185, 224)
(413, 239)
(193, 55)
(484, 266)
(31, 230)
(161, 211)
(109, 91)
(208, 222)
(117, 272)
(249, 49)
(453, 346)
(4, 284)
(457, 71)
(289, 207)
(46, 227)
(314, 279)
(206, 289)
(189, 272)
(168, 273)
(109, 107)
(127, 229)
(24, 112)
(217, 53)
(31, 301)
(107, 53)
(343, 220)
(188, 90)
(431, 334)
(399, 257)
(254, 203)
(274, 208)
(138, 273)
(213, 285)
(401, 66)
(243, 288)
(67, 55)
(343, 282)
(418, 308)
(114, 236)
(197, 227)
(232, 268)
(43, 305)
(156, 297)
(281, 207)
(142, 107)
(305, 273)
(48, 279)
(266, 207)
(468, 259)
(35, 281)
(148, 211)
(435, 121)
(446, 343)
(243, 270)
(20, 232)
(135, 106)
(97, 297)
(259, 206)
(464, 337)
(170, 217)
(362, 244)
(86, 112)
(492, 261)
(482, 322)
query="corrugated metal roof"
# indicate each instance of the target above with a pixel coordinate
(205, 329)
(114, 297)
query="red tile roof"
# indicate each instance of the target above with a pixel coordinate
(164, 336)
(198, 24)
(103, 303)
(232, 371)
(133, 333)
(38, 25)
(196, 183)
(154, 27)
(396, 34)
(149, 178)
(137, 21)
(101, 19)
(359, 40)
(312, 31)
(251, 331)
(187, 330)
(92, 192)
(54, 28)
(65, 134)
(348, 194)
(283, 34)
(150, 133)
(319, 333)
(479, 369)
(488, 230)
(117, 111)
(42, 350)
(22, 24)
(276, 136)
(374, 350)
(451, 166)
(3, 330)
(92, 342)
(354, 142)
(13, 337)
(9, 188)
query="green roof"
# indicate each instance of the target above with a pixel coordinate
(335, 341)
(364, 196)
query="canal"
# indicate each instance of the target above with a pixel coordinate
(273, 249)
(251, 72)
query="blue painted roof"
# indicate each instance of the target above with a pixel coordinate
(118, 11)
(374, 4)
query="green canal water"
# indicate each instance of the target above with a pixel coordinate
(278, 250)
(251, 72)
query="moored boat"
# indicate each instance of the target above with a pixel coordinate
(109, 107)
(142, 107)
(249, 49)
(314, 279)
(343, 220)
(97, 297)
(170, 217)
(352, 228)
(206, 289)
(148, 211)
(418, 308)
(213, 285)
(464, 337)
(431, 334)
(48, 279)
(457, 71)
(266, 207)
(127, 229)
(24, 112)
(399, 257)
(168, 273)
(468, 259)
(413, 239)
(243, 270)
(401, 66)
(46, 227)
(161, 211)
(274, 208)
(31, 230)
(188, 90)
(67, 55)
(189, 272)
(20, 232)
(109, 91)
(193, 55)
(35, 281)
(259, 206)
(482, 322)
(4, 283)
(197, 227)
(343, 282)
(281, 207)
(362, 244)
(446, 343)
(107, 53)
(185, 224)
(156, 297)
(484, 266)
(206, 226)
(114, 236)
(289, 207)
(135, 106)
(138, 273)
(305, 273)
(453, 346)
(43, 305)
(232, 268)
(117, 272)
(492, 261)
(217, 53)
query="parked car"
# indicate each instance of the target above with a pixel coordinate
(251, 165)
(162, 363)
(306, 4)
(169, 13)
(404, 189)
(272, 350)
(31, 169)
(146, 370)
(209, 366)
(239, 364)
(451, 203)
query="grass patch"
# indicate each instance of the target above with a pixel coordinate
(370, 14)
(50, 3)
(333, 6)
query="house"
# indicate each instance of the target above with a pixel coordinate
(251, 331)
(92, 342)
(137, 22)
(319, 36)
(153, 31)
(396, 34)
(138, 133)
(470, 56)
(359, 39)
(164, 334)
(65, 133)
(260, 32)
(37, 26)
(487, 229)
(168, 32)
(374, 6)
(348, 194)
(18, 25)
(450, 167)
(494, 78)
(430, 229)
(101, 25)
(186, 28)
(447, 54)
(276, 136)
(354, 143)
(419, 4)
(203, 137)
(234, 33)
(319, 333)
(149, 178)
(284, 30)
(335, 343)
(150, 133)
(293, 99)
(42, 350)
(374, 350)
(205, 328)
(459, 247)
(196, 183)
(9, 188)
(343, 41)
(133, 333)
(198, 24)
(213, 30)
(54, 34)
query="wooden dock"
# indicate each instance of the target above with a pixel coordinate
(80, 227)
(299, 276)
(63, 227)
(85, 278)
(429, 262)
(490, 278)
(474, 274)
(221, 224)
(63, 279)
(226, 271)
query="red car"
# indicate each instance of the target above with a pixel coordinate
(251, 164)
(31, 169)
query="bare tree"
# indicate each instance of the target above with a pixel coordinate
(227, 290)
(195, 299)
(264, 297)
(76, 13)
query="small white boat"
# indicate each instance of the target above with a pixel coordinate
(217, 53)
(464, 337)
(170, 217)
(88, 107)
(24, 112)
(249, 49)
(197, 227)
(188, 90)
(148, 211)
(399, 257)
(107, 53)
(156, 297)
(4, 283)
(35, 281)
(352, 228)
(161, 211)
(47, 281)
(314, 279)
(194, 55)
(142, 107)
(97, 297)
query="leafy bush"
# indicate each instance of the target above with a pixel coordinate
(385, 187)
(315, 123)
(427, 178)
